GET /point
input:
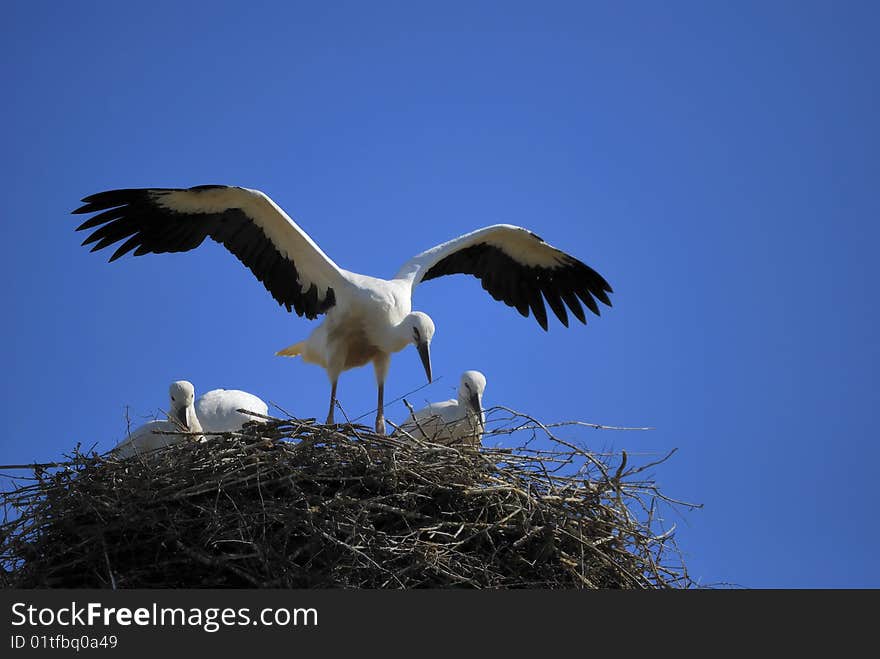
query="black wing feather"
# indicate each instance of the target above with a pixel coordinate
(522, 286)
(133, 216)
(551, 294)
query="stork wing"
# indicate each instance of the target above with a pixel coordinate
(515, 267)
(247, 222)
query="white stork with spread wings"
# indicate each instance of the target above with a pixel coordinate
(367, 319)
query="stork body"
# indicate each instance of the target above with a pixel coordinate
(217, 410)
(456, 422)
(371, 321)
(367, 319)
(182, 417)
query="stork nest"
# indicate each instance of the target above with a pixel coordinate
(295, 504)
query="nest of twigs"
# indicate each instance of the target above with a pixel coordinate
(294, 504)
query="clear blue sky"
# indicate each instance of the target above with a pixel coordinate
(716, 162)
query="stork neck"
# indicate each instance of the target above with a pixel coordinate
(400, 336)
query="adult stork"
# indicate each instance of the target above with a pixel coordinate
(367, 319)
(456, 422)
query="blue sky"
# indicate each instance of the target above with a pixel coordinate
(716, 162)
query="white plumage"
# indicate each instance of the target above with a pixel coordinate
(217, 409)
(181, 418)
(454, 422)
(367, 319)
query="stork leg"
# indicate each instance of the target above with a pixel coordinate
(380, 410)
(380, 365)
(332, 403)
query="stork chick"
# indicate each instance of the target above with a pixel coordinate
(457, 422)
(181, 418)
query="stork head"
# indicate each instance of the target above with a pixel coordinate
(470, 390)
(420, 329)
(183, 396)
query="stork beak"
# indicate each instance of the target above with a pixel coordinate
(425, 354)
(181, 416)
(476, 404)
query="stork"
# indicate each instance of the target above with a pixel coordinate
(217, 409)
(455, 422)
(151, 436)
(367, 318)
